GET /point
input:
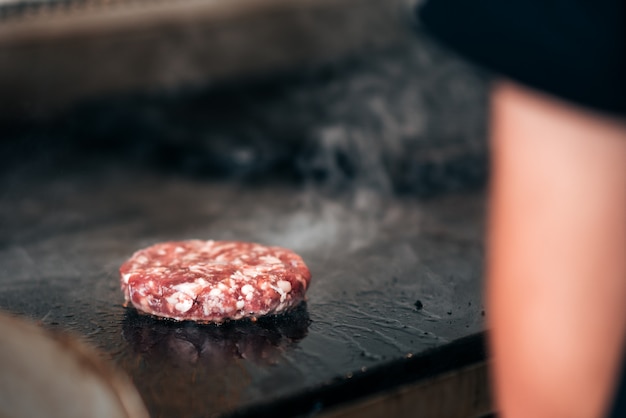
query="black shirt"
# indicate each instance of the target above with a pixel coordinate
(575, 49)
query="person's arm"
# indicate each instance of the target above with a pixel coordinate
(556, 286)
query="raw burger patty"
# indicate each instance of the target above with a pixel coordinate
(214, 281)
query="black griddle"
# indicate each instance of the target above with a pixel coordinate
(392, 279)
(367, 161)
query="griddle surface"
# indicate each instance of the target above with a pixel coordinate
(66, 228)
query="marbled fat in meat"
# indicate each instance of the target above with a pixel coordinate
(214, 281)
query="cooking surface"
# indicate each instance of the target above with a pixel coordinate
(390, 276)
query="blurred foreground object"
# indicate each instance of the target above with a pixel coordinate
(57, 376)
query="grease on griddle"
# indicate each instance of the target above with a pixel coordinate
(188, 343)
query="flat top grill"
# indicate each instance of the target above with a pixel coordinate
(395, 278)
(392, 277)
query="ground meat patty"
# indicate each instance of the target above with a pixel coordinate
(214, 281)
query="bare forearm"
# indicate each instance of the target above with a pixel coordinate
(557, 255)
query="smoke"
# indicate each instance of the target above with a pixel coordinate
(330, 224)
(409, 119)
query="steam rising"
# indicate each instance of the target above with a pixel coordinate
(330, 224)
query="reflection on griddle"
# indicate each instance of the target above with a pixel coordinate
(188, 343)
